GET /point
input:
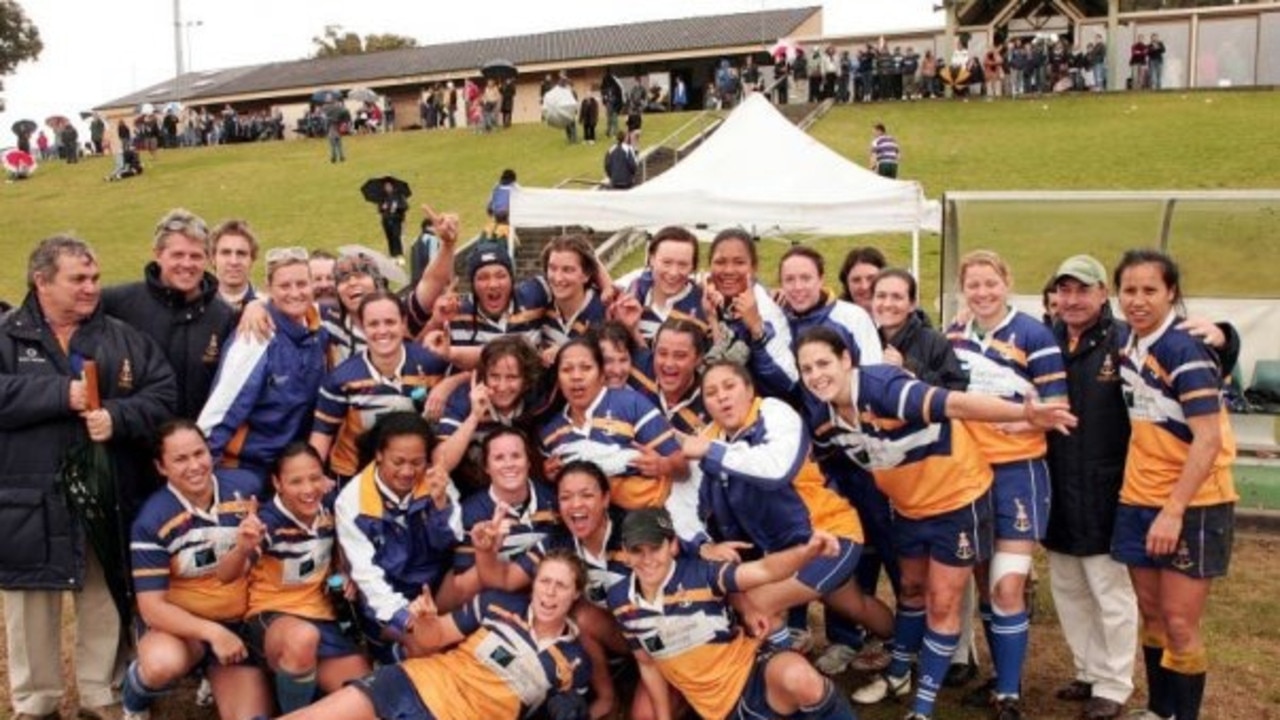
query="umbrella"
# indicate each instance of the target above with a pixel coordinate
(363, 94)
(25, 127)
(785, 49)
(86, 114)
(393, 273)
(499, 69)
(146, 109)
(374, 189)
(325, 96)
(57, 122)
(173, 107)
(18, 162)
(559, 107)
(87, 479)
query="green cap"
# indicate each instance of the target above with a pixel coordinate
(1083, 268)
(647, 526)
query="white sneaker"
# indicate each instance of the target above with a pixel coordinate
(881, 687)
(1144, 714)
(204, 693)
(835, 659)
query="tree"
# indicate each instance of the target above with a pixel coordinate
(19, 40)
(336, 42)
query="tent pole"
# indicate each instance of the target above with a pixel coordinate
(915, 253)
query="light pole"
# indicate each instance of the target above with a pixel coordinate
(187, 28)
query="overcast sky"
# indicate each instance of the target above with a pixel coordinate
(95, 51)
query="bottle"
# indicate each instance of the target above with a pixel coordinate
(347, 617)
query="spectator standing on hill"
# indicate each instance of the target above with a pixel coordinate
(1155, 62)
(611, 98)
(392, 210)
(336, 119)
(42, 142)
(910, 79)
(177, 305)
(1098, 60)
(679, 95)
(1138, 64)
(589, 114)
(884, 153)
(499, 207)
(50, 406)
(71, 143)
(1017, 60)
(620, 163)
(635, 108)
(992, 72)
(884, 74)
(508, 103)
(97, 128)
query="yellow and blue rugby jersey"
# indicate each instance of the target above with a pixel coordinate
(502, 671)
(528, 525)
(291, 568)
(354, 395)
(558, 329)
(603, 571)
(688, 631)
(175, 548)
(472, 327)
(1018, 356)
(1168, 377)
(685, 305)
(924, 463)
(759, 484)
(618, 423)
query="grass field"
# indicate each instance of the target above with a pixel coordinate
(293, 196)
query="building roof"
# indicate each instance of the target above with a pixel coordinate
(465, 58)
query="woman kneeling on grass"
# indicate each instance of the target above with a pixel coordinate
(506, 655)
(287, 550)
(190, 618)
(882, 419)
(676, 619)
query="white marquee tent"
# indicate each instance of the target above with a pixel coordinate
(758, 171)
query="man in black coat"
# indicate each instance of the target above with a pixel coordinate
(178, 306)
(46, 407)
(620, 163)
(1092, 592)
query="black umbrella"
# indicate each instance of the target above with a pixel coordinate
(325, 96)
(86, 114)
(374, 189)
(88, 482)
(499, 69)
(25, 127)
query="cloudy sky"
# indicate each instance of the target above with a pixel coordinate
(97, 51)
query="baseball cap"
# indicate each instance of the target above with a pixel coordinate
(488, 252)
(647, 526)
(1083, 268)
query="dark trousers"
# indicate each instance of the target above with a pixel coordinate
(391, 227)
(589, 132)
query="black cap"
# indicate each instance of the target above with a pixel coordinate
(647, 526)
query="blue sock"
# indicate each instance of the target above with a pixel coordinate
(985, 615)
(832, 706)
(935, 658)
(908, 633)
(1012, 634)
(780, 638)
(135, 696)
(295, 692)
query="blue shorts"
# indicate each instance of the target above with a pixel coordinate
(1020, 495)
(332, 642)
(209, 659)
(753, 703)
(1204, 548)
(960, 537)
(393, 695)
(825, 574)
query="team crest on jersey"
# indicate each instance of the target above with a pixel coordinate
(211, 351)
(1021, 521)
(125, 380)
(1182, 559)
(964, 548)
(1107, 373)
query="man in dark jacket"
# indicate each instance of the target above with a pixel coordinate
(1092, 593)
(46, 406)
(620, 163)
(177, 305)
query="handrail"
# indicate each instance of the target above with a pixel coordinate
(593, 184)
